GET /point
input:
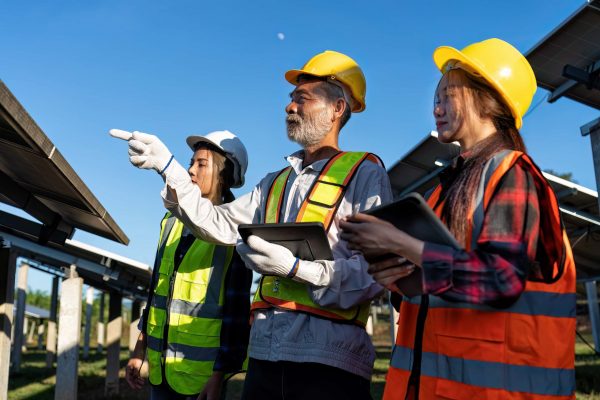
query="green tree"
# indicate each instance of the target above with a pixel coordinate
(38, 298)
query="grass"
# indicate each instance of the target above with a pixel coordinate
(35, 382)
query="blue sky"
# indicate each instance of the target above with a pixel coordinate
(176, 68)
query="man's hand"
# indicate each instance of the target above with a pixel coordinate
(132, 373)
(272, 259)
(267, 258)
(145, 151)
(212, 389)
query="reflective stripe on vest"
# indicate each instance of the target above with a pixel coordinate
(187, 303)
(493, 375)
(320, 205)
(525, 351)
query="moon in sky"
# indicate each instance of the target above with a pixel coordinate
(280, 36)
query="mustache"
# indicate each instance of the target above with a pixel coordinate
(293, 118)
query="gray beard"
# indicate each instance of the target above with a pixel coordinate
(308, 131)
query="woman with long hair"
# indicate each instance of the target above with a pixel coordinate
(496, 319)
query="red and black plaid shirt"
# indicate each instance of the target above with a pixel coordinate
(494, 273)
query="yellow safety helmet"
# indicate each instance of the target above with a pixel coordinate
(501, 65)
(335, 67)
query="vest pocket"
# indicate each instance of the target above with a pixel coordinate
(194, 344)
(469, 347)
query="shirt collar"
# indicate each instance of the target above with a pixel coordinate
(295, 160)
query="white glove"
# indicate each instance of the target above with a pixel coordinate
(145, 151)
(272, 259)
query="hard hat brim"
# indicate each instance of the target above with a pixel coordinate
(443, 54)
(192, 141)
(292, 75)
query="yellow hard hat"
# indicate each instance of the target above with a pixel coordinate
(498, 63)
(334, 67)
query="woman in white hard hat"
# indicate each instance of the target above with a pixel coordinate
(497, 319)
(195, 326)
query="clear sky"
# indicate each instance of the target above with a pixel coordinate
(176, 68)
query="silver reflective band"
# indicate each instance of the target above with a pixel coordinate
(178, 350)
(197, 310)
(559, 305)
(479, 212)
(493, 375)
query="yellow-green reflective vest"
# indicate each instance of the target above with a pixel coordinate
(184, 320)
(320, 205)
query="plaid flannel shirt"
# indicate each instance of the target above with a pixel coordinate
(495, 271)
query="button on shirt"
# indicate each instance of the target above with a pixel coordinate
(281, 335)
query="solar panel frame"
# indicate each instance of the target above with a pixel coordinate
(38, 179)
(576, 41)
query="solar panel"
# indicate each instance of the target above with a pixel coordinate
(36, 178)
(575, 42)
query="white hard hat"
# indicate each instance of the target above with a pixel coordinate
(233, 148)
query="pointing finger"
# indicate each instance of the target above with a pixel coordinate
(120, 134)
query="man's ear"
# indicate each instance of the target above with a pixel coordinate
(340, 106)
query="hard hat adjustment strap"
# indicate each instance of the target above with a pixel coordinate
(334, 81)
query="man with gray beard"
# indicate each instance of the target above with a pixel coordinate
(308, 338)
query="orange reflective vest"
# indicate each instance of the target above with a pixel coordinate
(321, 204)
(469, 351)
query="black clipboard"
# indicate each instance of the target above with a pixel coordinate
(306, 240)
(412, 214)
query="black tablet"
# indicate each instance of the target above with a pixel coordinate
(412, 214)
(306, 240)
